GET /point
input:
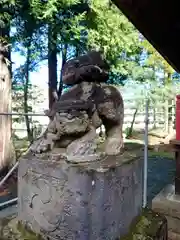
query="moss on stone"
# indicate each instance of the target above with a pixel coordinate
(12, 229)
(27, 233)
(145, 226)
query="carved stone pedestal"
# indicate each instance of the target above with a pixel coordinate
(93, 200)
(168, 204)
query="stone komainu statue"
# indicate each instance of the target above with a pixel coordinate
(87, 105)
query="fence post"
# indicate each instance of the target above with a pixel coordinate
(145, 153)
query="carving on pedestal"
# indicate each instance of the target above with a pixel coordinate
(93, 200)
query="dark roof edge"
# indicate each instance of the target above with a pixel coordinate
(134, 20)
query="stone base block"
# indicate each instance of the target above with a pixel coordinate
(167, 203)
(87, 201)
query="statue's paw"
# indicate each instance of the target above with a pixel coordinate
(83, 147)
(44, 146)
(113, 146)
(42, 149)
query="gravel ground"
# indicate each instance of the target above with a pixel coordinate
(161, 171)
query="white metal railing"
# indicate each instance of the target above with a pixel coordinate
(22, 114)
(14, 200)
(145, 155)
(9, 173)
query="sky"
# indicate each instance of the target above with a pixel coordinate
(39, 78)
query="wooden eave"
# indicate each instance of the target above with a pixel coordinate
(159, 22)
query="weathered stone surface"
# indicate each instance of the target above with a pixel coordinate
(84, 148)
(114, 141)
(109, 110)
(88, 103)
(149, 225)
(87, 201)
(90, 66)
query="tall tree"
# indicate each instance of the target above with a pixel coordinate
(62, 19)
(6, 148)
(52, 62)
(158, 64)
(26, 88)
(25, 97)
(30, 43)
(111, 32)
(64, 59)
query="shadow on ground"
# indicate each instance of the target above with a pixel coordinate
(161, 170)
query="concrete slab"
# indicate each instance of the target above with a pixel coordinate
(173, 236)
(173, 224)
(167, 203)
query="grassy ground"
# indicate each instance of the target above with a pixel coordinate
(154, 149)
(20, 145)
(152, 153)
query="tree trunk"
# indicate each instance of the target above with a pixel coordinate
(154, 117)
(64, 59)
(77, 53)
(6, 146)
(166, 115)
(170, 117)
(169, 126)
(130, 131)
(52, 63)
(26, 92)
